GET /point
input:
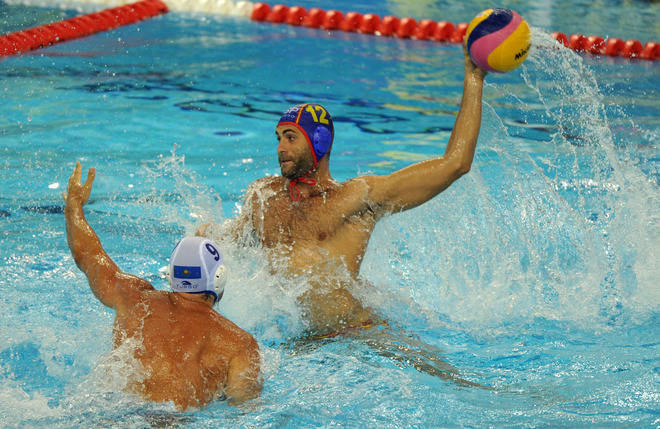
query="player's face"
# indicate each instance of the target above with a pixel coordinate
(293, 152)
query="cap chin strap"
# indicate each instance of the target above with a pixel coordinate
(293, 184)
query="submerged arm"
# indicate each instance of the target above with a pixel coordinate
(108, 283)
(418, 183)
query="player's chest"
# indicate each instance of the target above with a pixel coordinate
(281, 220)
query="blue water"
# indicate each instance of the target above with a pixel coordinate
(535, 275)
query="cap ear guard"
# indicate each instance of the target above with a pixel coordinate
(322, 140)
(219, 281)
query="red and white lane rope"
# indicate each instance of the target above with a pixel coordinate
(441, 31)
(329, 20)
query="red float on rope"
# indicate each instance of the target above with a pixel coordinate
(370, 23)
(459, 33)
(426, 29)
(277, 14)
(594, 45)
(561, 38)
(614, 47)
(333, 19)
(296, 15)
(388, 25)
(444, 31)
(632, 49)
(406, 28)
(351, 22)
(314, 18)
(260, 12)
(80, 26)
(651, 51)
(576, 42)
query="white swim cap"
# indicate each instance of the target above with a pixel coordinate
(196, 266)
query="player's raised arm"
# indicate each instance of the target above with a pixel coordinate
(418, 183)
(108, 283)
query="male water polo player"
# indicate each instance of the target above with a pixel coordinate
(314, 226)
(190, 354)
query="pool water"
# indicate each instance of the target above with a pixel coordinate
(535, 276)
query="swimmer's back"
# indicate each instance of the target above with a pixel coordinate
(191, 354)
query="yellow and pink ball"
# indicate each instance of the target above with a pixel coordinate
(498, 40)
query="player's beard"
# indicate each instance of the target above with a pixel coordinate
(296, 167)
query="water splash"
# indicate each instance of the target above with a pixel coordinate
(570, 235)
(615, 195)
(177, 194)
(259, 301)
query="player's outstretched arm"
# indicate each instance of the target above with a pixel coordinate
(108, 283)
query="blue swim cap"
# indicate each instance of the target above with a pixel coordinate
(316, 125)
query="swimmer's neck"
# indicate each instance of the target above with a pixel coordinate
(201, 298)
(321, 179)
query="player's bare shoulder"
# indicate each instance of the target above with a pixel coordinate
(356, 194)
(272, 183)
(359, 184)
(229, 339)
(262, 190)
(369, 190)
